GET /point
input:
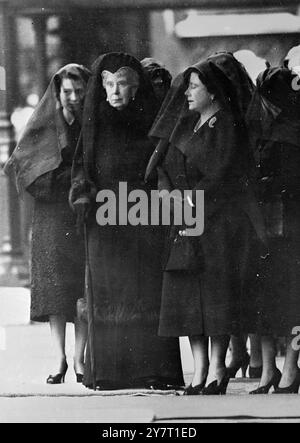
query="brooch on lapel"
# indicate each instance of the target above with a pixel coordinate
(212, 122)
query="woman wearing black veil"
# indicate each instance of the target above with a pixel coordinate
(125, 260)
(210, 284)
(274, 117)
(159, 76)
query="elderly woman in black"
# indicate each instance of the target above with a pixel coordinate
(124, 257)
(274, 116)
(42, 163)
(209, 282)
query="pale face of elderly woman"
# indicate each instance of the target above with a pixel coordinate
(198, 97)
(120, 88)
(72, 93)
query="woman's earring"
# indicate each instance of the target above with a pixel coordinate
(107, 99)
(212, 98)
(133, 98)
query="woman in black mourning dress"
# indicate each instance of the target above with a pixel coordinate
(274, 116)
(125, 260)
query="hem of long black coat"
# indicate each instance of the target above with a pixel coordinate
(45, 318)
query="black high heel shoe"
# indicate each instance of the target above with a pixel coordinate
(292, 389)
(194, 390)
(58, 378)
(242, 364)
(255, 372)
(216, 389)
(273, 382)
(79, 377)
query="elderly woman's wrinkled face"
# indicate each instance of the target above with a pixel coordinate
(120, 88)
(198, 97)
(72, 93)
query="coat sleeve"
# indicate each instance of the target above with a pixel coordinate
(83, 190)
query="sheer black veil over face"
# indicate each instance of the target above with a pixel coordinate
(277, 98)
(159, 76)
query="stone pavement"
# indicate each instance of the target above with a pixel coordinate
(25, 359)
